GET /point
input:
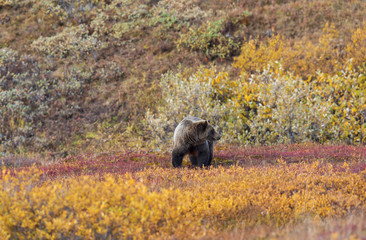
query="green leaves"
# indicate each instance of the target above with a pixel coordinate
(209, 39)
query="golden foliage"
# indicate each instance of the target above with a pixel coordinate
(303, 57)
(185, 203)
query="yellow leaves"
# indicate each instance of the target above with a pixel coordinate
(247, 98)
(304, 57)
(186, 201)
(253, 58)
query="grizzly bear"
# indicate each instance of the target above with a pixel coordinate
(195, 137)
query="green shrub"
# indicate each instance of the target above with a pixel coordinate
(29, 95)
(72, 40)
(177, 14)
(196, 95)
(69, 10)
(209, 39)
(9, 3)
(192, 96)
(283, 109)
(25, 92)
(99, 25)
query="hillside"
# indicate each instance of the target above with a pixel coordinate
(82, 74)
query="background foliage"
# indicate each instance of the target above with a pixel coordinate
(263, 72)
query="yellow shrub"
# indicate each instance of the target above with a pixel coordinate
(304, 58)
(185, 203)
(356, 48)
(301, 57)
(256, 55)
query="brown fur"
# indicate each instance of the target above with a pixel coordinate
(195, 137)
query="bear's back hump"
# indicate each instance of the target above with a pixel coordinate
(188, 121)
(192, 119)
(181, 128)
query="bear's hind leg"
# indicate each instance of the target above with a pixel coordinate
(194, 160)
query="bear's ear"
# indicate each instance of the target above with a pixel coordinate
(202, 125)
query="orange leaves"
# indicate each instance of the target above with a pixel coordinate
(187, 203)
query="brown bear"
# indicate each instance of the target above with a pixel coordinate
(195, 137)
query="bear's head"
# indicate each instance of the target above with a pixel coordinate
(206, 131)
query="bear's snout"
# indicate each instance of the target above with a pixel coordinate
(217, 137)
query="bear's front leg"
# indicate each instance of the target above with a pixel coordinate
(203, 154)
(210, 157)
(177, 157)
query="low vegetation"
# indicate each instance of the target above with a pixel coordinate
(139, 195)
(91, 91)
